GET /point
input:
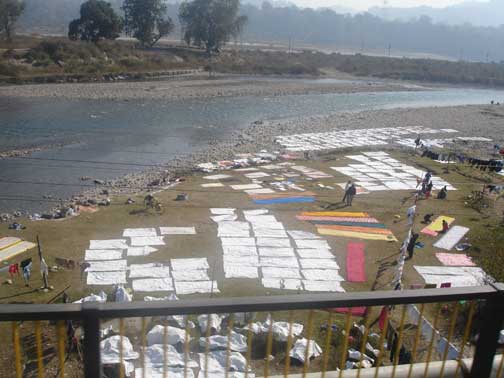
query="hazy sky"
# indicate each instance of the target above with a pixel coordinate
(365, 4)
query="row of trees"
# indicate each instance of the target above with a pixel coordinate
(10, 10)
(206, 23)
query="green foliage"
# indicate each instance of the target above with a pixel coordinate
(146, 20)
(10, 10)
(98, 21)
(211, 23)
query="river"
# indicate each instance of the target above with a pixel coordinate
(107, 139)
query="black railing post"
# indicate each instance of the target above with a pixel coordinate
(92, 364)
(486, 347)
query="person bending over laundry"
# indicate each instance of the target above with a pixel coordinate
(427, 219)
(27, 273)
(443, 193)
(350, 194)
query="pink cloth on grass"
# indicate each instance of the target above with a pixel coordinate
(454, 259)
(356, 271)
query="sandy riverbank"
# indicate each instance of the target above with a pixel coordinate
(202, 88)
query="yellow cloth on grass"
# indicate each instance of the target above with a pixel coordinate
(437, 225)
(357, 235)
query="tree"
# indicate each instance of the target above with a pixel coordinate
(98, 20)
(146, 20)
(211, 23)
(10, 10)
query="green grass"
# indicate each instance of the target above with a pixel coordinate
(69, 239)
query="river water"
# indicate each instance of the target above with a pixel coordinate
(107, 139)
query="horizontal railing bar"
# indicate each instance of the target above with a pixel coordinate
(12, 312)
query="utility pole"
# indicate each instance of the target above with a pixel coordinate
(389, 49)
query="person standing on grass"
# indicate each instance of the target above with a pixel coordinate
(27, 273)
(428, 190)
(350, 194)
(348, 185)
(411, 245)
(411, 215)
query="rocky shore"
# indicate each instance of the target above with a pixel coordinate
(482, 121)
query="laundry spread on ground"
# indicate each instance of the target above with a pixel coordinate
(356, 262)
(454, 276)
(261, 248)
(451, 238)
(347, 224)
(378, 171)
(11, 247)
(436, 227)
(281, 198)
(454, 259)
(352, 138)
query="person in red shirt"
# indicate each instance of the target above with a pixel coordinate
(13, 270)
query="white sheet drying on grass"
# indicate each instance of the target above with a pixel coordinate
(140, 251)
(134, 232)
(217, 362)
(283, 284)
(108, 244)
(281, 262)
(174, 335)
(298, 352)
(158, 372)
(147, 241)
(269, 233)
(303, 235)
(196, 287)
(314, 253)
(260, 191)
(216, 177)
(224, 218)
(189, 264)
(214, 185)
(149, 271)
(106, 278)
(107, 266)
(103, 254)
(236, 342)
(319, 264)
(457, 276)
(153, 284)
(246, 187)
(177, 230)
(332, 286)
(222, 211)
(240, 271)
(254, 212)
(239, 250)
(451, 238)
(273, 272)
(190, 275)
(110, 350)
(250, 242)
(255, 175)
(241, 260)
(312, 244)
(154, 356)
(233, 229)
(322, 275)
(276, 252)
(273, 242)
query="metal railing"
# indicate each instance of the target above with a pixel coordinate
(486, 301)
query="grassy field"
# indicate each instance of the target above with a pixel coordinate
(69, 239)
